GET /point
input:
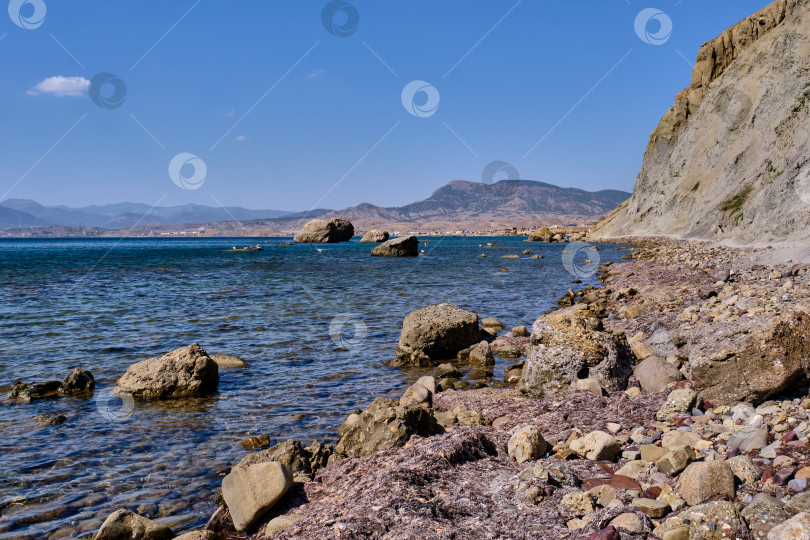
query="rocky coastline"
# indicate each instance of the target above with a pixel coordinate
(671, 402)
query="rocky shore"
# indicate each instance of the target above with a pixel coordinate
(671, 403)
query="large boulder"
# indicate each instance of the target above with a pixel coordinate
(184, 372)
(251, 491)
(407, 246)
(384, 424)
(375, 236)
(569, 345)
(320, 231)
(436, 333)
(126, 525)
(763, 365)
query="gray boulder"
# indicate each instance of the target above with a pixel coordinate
(126, 525)
(251, 491)
(407, 246)
(184, 372)
(384, 424)
(436, 333)
(569, 345)
(320, 231)
(375, 236)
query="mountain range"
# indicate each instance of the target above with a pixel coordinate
(21, 213)
(459, 204)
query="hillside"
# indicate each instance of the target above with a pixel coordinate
(730, 159)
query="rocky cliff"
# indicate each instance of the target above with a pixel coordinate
(731, 158)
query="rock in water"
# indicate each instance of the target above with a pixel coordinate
(251, 491)
(481, 355)
(569, 346)
(126, 525)
(78, 381)
(384, 424)
(29, 392)
(228, 361)
(344, 230)
(407, 246)
(184, 372)
(375, 236)
(320, 231)
(542, 234)
(299, 460)
(436, 333)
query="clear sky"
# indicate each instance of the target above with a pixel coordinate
(286, 112)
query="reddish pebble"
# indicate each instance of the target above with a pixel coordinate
(789, 436)
(684, 384)
(608, 533)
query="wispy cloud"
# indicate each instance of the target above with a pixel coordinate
(242, 138)
(61, 86)
(317, 73)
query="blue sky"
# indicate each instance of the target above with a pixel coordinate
(286, 115)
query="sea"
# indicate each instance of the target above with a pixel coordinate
(316, 324)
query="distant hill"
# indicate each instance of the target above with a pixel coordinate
(507, 198)
(16, 213)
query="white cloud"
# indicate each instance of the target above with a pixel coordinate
(317, 73)
(242, 138)
(61, 86)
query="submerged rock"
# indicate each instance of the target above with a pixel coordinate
(436, 333)
(183, 372)
(407, 246)
(123, 524)
(79, 381)
(229, 361)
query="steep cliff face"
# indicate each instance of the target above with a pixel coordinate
(731, 158)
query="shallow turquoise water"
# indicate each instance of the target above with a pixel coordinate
(103, 304)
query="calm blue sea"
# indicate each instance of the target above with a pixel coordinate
(315, 325)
